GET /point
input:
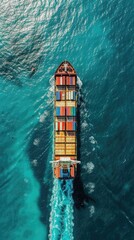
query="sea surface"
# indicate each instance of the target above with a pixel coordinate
(97, 37)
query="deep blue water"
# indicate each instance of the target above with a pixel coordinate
(97, 38)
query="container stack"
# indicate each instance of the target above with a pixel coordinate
(65, 116)
(71, 137)
(60, 149)
(71, 126)
(60, 111)
(70, 111)
(60, 137)
(60, 80)
(60, 95)
(70, 80)
(70, 95)
(60, 126)
(70, 149)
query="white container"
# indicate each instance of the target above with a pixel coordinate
(56, 126)
(60, 80)
(60, 125)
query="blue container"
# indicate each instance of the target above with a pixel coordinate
(74, 111)
(61, 173)
(71, 81)
(74, 126)
(57, 111)
(56, 95)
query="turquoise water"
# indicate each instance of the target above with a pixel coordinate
(97, 38)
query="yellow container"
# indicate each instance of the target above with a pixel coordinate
(71, 103)
(60, 139)
(70, 139)
(70, 152)
(59, 146)
(70, 146)
(60, 103)
(60, 133)
(60, 152)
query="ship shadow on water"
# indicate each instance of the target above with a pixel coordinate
(38, 155)
(80, 197)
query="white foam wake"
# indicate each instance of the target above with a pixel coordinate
(61, 216)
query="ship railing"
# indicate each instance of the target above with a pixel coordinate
(65, 161)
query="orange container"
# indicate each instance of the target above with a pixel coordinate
(66, 80)
(68, 111)
(63, 125)
(72, 171)
(73, 80)
(62, 111)
(69, 126)
(57, 80)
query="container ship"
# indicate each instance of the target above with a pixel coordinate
(65, 122)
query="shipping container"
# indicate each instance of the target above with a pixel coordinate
(60, 111)
(60, 80)
(70, 103)
(70, 80)
(62, 95)
(70, 139)
(60, 104)
(57, 111)
(60, 126)
(57, 96)
(71, 111)
(71, 95)
(71, 126)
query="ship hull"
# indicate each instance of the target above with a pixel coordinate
(65, 122)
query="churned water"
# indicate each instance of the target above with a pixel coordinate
(97, 38)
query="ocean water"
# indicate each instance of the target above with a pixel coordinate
(97, 38)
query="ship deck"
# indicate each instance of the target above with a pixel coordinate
(65, 119)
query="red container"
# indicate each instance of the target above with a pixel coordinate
(66, 125)
(72, 171)
(60, 80)
(63, 125)
(62, 95)
(62, 111)
(67, 80)
(69, 126)
(57, 80)
(63, 80)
